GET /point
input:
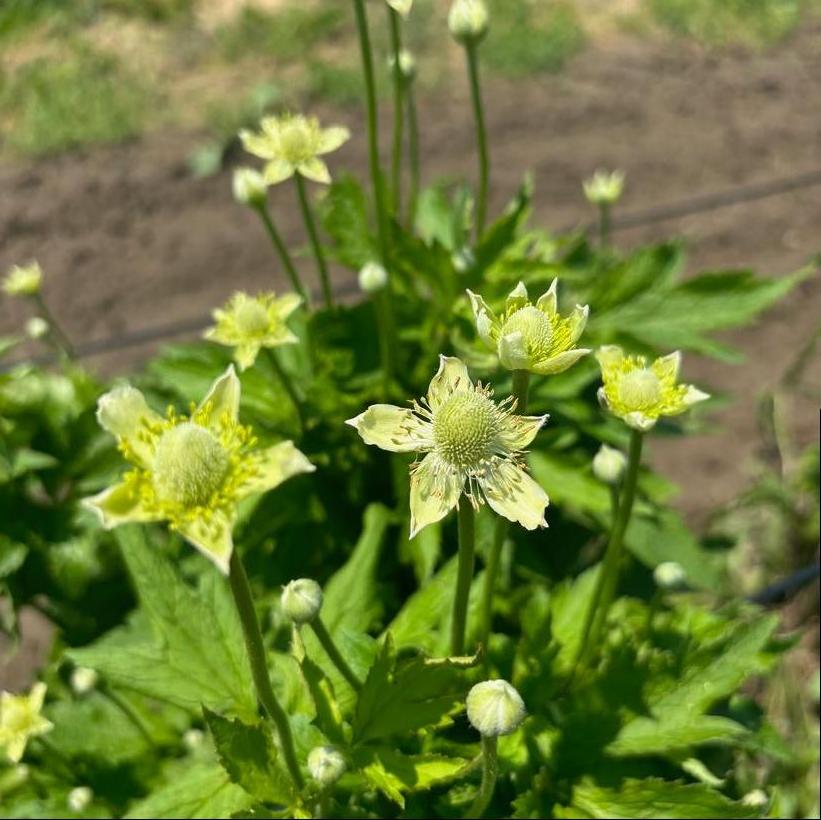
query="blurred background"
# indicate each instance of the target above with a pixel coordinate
(118, 122)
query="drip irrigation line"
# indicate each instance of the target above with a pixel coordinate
(784, 589)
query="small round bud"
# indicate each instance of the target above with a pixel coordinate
(468, 21)
(249, 187)
(79, 798)
(407, 64)
(302, 600)
(326, 764)
(670, 575)
(755, 799)
(495, 708)
(373, 277)
(23, 280)
(193, 739)
(463, 259)
(609, 465)
(604, 188)
(83, 680)
(37, 327)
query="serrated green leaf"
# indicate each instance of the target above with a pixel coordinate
(344, 214)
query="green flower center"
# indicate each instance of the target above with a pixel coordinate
(17, 718)
(536, 330)
(252, 318)
(465, 428)
(296, 141)
(639, 389)
(189, 466)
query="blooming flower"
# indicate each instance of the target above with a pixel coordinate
(403, 7)
(191, 471)
(472, 445)
(468, 21)
(531, 337)
(20, 719)
(23, 280)
(249, 323)
(639, 393)
(292, 144)
(604, 188)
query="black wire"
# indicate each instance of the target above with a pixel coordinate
(780, 591)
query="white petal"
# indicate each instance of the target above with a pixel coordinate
(396, 429)
(435, 488)
(548, 302)
(452, 376)
(513, 353)
(513, 494)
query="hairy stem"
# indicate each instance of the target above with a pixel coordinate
(324, 637)
(490, 771)
(481, 138)
(55, 331)
(282, 252)
(467, 550)
(398, 111)
(413, 151)
(310, 225)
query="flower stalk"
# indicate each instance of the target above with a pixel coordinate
(241, 590)
(490, 771)
(324, 638)
(472, 54)
(398, 109)
(413, 151)
(316, 246)
(56, 332)
(466, 518)
(287, 385)
(282, 252)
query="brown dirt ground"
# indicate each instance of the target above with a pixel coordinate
(128, 239)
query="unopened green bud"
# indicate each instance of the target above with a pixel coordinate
(302, 600)
(604, 188)
(407, 64)
(36, 327)
(495, 708)
(373, 277)
(23, 280)
(468, 21)
(83, 680)
(609, 465)
(326, 764)
(79, 798)
(755, 799)
(670, 575)
(249, 187)
(193, 739)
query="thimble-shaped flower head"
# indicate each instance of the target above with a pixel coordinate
(23, 280)
(326, 764)
(604, 187)
(536, 338)
(20, 720)
(403, 7)
(249, 323)
(640, 393)
(249, 187)
(372, 277)
(472, 445)
(292, 144)
(495, 708)
(191, 471)
(609, 465)
(301, 600)
(468, 21)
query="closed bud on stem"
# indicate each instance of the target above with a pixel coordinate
(302, 600)
(83, 680)
(37, 327)
(249, 187)
(495, 708)
(755, 799)
(79, 798)
(23, 280)
(609, 465)
(407, 64)
(373, 277)
(468, 21)
(326, 765)
(193, 739)
(670, 575)
(604, 188)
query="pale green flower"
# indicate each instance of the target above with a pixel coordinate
(536, 338)
(292, 144)
(604, 188)
(23, 280)
(639, 393)
(249, 323)
(326, 764)
(609, 465)
(495, 708)
(403, 7)
(191, 471)
(468, 21)
(472, 446)
(249, 187)
(20, 720)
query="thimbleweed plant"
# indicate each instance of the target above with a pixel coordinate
(299, 664)
(604, 190)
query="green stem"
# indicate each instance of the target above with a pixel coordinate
(244, 601)
(467, 551)
(521, 388)
(609, 574)
(614, 503)
(384, 324)
(373, 127)
(56, 332)
(604, 225)
(490, 771)
(481, 138)
(287, 384)
(282, 251)
(413, 150)
(324, 637)
(310, 225)
(398, 112)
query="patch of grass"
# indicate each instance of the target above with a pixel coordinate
(724, 22)
(288, 34)
(160, 11)
(528, 37)
(18, 16)
(85, 97)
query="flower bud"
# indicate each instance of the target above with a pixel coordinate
(373, 277)
(326, 764)
(604, 188)
(193, 739)
(463, 259)
(249, 187)
(755, 799)
(83, 680)
(302, 600)
(468, 21)
(495, 708)
(37, 327)
(402, 7)
(79, 798)
(407, 64)
(23, 280)
(670, 575)
(609, 465)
